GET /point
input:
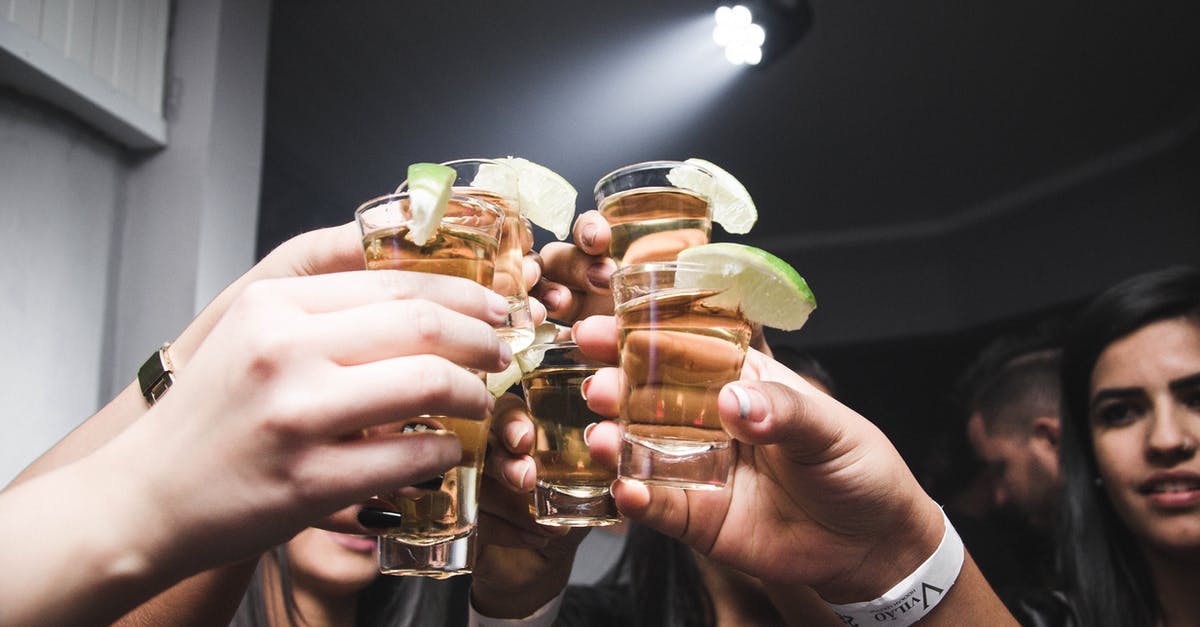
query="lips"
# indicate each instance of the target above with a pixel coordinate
(1175, 489)
(358, 544)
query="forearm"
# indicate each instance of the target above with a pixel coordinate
(77, 555)
(210, 598)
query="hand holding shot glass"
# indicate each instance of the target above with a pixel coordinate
(571, 489)
(683, 330)
(404, 231)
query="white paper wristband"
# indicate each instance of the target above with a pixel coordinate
(917, 594)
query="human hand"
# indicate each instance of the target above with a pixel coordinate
(521, 565)
(819, 496)
(575, 277)
(275, 397)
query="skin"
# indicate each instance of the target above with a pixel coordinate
(328, 571)
(831, 506)
(321, 326)
(1023, 467)
(1145, 425)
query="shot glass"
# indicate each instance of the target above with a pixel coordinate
(465, 245)
(438, 561)
(572, 490)
(496, 182)
(677, 350)
(655, 209)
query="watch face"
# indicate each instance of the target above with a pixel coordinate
(155, 376)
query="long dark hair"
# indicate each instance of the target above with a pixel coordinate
(1107, 576)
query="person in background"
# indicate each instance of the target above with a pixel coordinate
(1130, 535)
(1014, 429)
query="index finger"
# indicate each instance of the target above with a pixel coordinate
(334, 292)
(591, 233)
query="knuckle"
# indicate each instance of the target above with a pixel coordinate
(425, 321)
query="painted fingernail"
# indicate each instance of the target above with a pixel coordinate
(378, 519)
(599, 274)
(513, 434)
(745, 408)
(430, 484)
(587, 432)
(584, 385)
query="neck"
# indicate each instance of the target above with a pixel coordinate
(1176, 579)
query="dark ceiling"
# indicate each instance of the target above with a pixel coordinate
(888, 115)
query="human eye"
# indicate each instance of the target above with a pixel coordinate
(1116, 413)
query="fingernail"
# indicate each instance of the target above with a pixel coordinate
(574, 328)
(429, 484)
(745, 407)
(513, 434)
(506, 354)
(599, 274)
(583, 386)
(378, 519)
(552, 299)
(587, 432)
(519, 480)
(497, 304)
(587, 235)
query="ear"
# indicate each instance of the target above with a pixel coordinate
(1049, 429)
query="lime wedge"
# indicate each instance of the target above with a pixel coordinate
(732, 206)
(765, 287)
(547, 199)
(527, 357)
(429, 186)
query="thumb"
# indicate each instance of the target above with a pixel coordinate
(808, 425)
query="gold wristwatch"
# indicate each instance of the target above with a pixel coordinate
(156, 375)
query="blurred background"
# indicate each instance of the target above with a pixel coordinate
(940, 172)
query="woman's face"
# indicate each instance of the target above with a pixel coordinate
(332, 562)
(1145, 422)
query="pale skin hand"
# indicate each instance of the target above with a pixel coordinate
(252, 446)
(575, 277)
(819, 496)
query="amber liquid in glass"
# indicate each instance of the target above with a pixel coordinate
(676, 354)
(655, 223)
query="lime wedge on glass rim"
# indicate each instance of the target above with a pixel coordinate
(546, 198)
(732, 206)
(429, 186)
(525, 360)
(766, 289)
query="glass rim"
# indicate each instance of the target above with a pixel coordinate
(642, 166)
(660, 266)
(404, 195)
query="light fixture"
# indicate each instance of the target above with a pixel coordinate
(756, 32)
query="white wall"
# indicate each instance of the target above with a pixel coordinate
(113, 252)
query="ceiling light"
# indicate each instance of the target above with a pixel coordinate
(756, 32)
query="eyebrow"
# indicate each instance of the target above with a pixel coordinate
(1183, 383)
(1189, 381)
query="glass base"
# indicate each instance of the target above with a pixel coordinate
(437, 561)
(677, 464)
(568, 506)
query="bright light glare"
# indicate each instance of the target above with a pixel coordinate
(736, 32)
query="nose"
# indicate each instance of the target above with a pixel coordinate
(1171, 438)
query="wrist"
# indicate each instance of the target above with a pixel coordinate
(918, 593)
(892, 557)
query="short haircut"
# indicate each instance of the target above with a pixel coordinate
(1024, 388)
